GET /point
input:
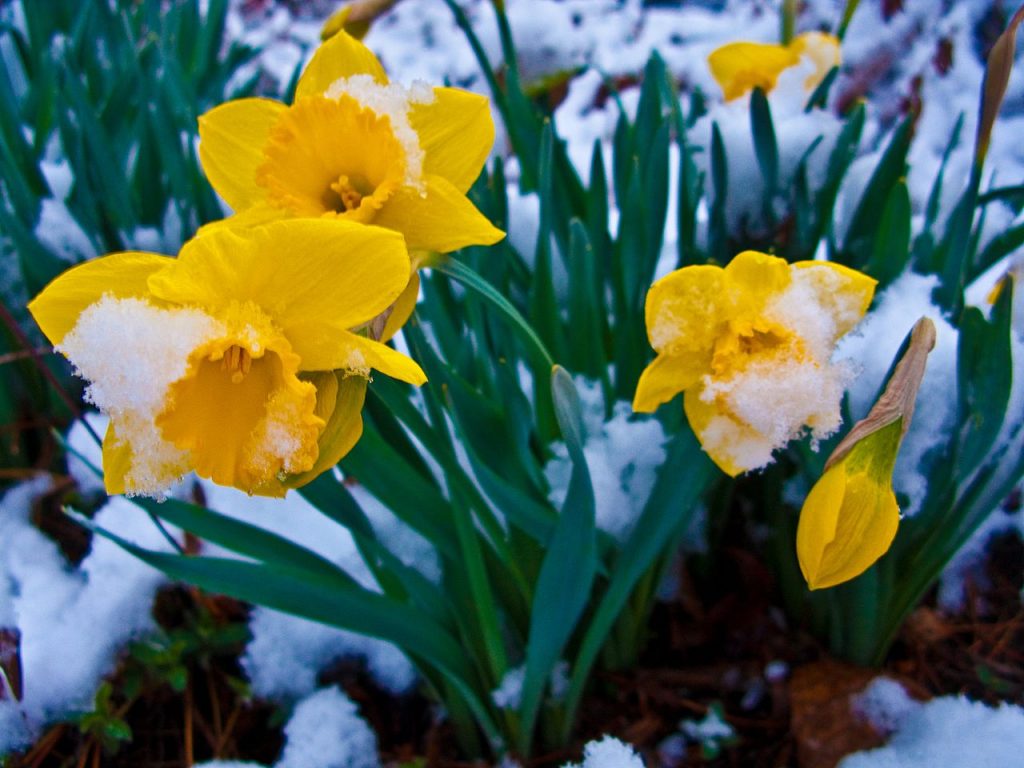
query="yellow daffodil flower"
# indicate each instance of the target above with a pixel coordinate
(356, 147)
(741, 67)
(850, 517)
(750, 346)
(245, 358)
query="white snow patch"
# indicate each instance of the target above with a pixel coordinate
(326, 731)
(948, 732)
(608, 752)
(623, 455)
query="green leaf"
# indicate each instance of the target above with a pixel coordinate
(243, 538)
(984, 379)
(765, 148)
(569, 567)
(892, 239)
(682, 481)
(718, 235)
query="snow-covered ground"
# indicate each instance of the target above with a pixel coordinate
(927, 50)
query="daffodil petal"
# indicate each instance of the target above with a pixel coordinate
(735, 447)
(344, 424)
(122, 275)
(232, 137)
(361, 355)
(683, 310)
(310, 275)
(253, 216)
(864, 524)
(844, 292)
(741, 67)
(117, 461)
(442, 219)
(666, 377)
(456, 132)
(754, 278)
(403, 308)
(340, 56)
(822, 49)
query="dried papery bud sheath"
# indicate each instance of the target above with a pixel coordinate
(993, 89)
(355, 18)
(849, 518)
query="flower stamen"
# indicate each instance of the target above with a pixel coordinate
(237, 361)
(345, 194)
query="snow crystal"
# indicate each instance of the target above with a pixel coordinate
(393, 101)
(949, 732)
(711, 729)
(884, 704)
(623, 456)
(874, 345)
(608, 752)
(326, 731)
(510, 691)
(131, 352)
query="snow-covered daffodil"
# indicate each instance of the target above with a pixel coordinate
(740, 67)
(750, 346)
(850, 517)
(244, 359)
(355, 147)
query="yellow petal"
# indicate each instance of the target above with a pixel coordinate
(310, 276)
(403, 308)
(850, 517)
(232, 138)
(734, 446)
(340, 56)
(117, 460)
(683, 311)
(344, 424)
(666, 377)
(754, 278)
(359, 355)
(122, 275)
(822, 49)
(254, 216)
(740, 67)
(456, 133)
(244, 416)
(844, 292)
(443, 220)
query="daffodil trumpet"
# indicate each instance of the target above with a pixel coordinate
(742, 66)
(245, 358)
(850, 517)
(750, 347)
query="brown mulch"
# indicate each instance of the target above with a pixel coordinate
(705, 651)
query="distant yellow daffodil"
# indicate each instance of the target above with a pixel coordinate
(750, 346)
(850, 517)
(741, 67)
(355, 147)
(244, 359)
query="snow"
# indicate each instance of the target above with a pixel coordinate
(947, 732)
(623, 455)
(326, 731)
(82, 616)
(711, 730)
(608, 752)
